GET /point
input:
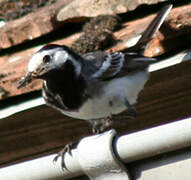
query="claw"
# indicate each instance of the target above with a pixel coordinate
(99, 125)
(67, 149)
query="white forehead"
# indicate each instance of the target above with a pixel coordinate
(37, 58)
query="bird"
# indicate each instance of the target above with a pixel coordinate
(96, 86)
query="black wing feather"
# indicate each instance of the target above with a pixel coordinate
(103, 65)
(150, 31)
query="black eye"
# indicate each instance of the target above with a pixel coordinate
(46, 59)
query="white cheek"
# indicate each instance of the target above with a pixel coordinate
(34, 62)
(60, 56)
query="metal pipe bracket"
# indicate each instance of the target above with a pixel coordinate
(98, 160)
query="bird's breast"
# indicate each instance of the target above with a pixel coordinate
(110, 99)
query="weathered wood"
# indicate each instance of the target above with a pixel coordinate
(13, 66)
(92, 8)
(44, 20)
(39, 131)
(31, 26)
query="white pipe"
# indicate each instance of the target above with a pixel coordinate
(154, 141)
(135, 146)
(38, 169)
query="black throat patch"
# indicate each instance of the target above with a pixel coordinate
(64, 89)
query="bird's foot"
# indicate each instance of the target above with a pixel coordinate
(100, 125)
(67, 149)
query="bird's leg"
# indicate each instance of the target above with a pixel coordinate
(131, 109)
(132, 113)
(67, 149)
(99, 125)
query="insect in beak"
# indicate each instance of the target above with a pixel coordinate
(25, 80)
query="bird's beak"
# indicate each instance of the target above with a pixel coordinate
(25, 80)
(30, 76)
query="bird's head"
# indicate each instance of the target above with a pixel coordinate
(49, 59)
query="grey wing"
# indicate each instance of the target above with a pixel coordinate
(103, 65)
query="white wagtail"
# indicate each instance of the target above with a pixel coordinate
(96, 85)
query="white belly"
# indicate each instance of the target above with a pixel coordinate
(111, 100)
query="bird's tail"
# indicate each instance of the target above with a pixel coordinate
(134, 56)
(152, 28)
